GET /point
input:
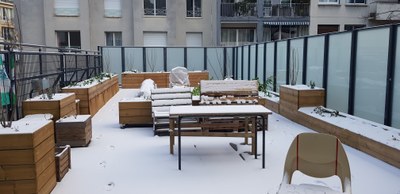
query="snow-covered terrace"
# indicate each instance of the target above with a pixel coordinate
(132, 160)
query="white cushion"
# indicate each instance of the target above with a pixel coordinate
(171, 90)
(172, 102)
(171, 96)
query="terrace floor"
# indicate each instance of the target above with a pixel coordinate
(132, 160)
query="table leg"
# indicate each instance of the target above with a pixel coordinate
(254, 129)
(171, 135)
(179, 143)
(264, 125)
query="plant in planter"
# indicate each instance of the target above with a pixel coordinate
(312, 84)
(294, 66)
(266, 87)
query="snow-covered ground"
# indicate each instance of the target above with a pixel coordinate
(132, 160)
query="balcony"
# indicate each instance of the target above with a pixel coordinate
(239, 10)
(385, 11)
(287, 10)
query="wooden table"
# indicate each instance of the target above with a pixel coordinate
(245, 111)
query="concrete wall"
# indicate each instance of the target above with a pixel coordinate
(339, 14)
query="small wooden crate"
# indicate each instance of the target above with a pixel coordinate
(135, 112)
(75, 131)
(63, 161)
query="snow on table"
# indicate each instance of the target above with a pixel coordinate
(375, 131)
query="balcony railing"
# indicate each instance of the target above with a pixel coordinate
(287, 10)
(385, 11)
(239, 9)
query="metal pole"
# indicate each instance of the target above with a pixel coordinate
(390, 75)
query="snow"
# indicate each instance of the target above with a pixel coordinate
(84, 84)
(302, 87)
(375, 131)
(132, 160)
(56, 97)
(26, 125)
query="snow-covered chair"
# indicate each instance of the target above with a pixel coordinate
(316, 155)
(162, 100)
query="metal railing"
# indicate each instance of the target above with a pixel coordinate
(287, 10)
(239, 9)
(25, 63)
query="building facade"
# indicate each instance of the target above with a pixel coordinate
(6, 21)
(87, 24)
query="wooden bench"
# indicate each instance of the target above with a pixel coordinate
(228, 92)
(162, 99)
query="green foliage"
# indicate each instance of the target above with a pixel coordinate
(196, 91)
(312, 84)
(266, 86)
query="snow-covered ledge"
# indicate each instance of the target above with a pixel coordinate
(380, 141)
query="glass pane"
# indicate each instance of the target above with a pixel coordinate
(245, 62)
(62, 39)
(75, 39)
(118, 38)
(109, 39)
(281, 64)
(148, 7)
(229, 62)
(239, 63)
(296, 52)
(338, 72)
(195, 59)
(197, 8)
(215, 63)
(315, 60)
(260, 62)
(371, 70)
(112, 61)
(252, 66)
(270, 60)
(396, 87)
(154, 59)
(175, 58)
(133, 59)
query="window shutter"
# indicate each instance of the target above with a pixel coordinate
(194, 39)
(112, 8)
(155, 38)
(66, 7)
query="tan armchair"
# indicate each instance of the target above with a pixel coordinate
(316, 155)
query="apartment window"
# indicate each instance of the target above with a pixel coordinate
(231, 37)
(6, 14)
(357, 1)
(328, 1)
(193, 8)
(112, 8)
(66, 7)
(70, 39)
(278, 32)
(194, 39)
(327, 28)
(7, 33)
(155, 7)
(113, 38)
(353, 27)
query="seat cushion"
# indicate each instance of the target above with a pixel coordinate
(305, 189)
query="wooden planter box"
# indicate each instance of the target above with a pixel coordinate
(374, 148)
(63, 161)
(74, 131)
(134, 80)
(135, 112)
(27, 157)
(294, 97)
(93, 97)
(62, 104)
(269, 103)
